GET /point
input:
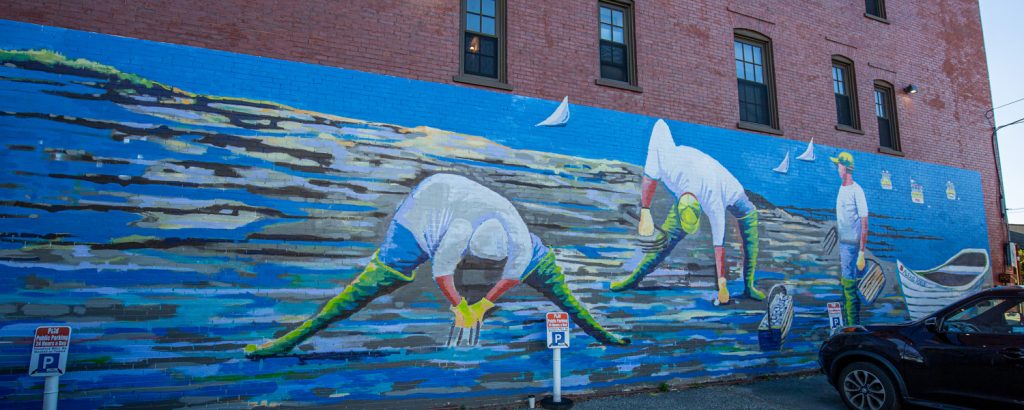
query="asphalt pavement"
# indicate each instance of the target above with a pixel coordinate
(798, 392)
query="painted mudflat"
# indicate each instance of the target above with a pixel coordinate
(172, 228)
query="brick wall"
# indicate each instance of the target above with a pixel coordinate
(683, 51)
(174, 223)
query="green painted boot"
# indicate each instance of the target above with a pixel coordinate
(748, 233)
(376, 279)
(682, 219)
(548, 279)
(646, 266)
(851, 302)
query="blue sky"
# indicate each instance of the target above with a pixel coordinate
(1001, 20)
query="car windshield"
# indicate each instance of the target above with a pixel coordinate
(986, 316)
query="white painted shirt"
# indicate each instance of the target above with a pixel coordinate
(851, 207)
(687, 170)
(451, 215)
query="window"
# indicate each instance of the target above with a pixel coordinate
(483, 44)
(616, 53)
(874, 8)
(885, 112)
(844, 86)
(755, 81)
(994, 316)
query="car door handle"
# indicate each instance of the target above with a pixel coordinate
(1014, 353)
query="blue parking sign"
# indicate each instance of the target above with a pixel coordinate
(48, 363)
(558, 339)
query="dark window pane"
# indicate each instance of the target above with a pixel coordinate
(481, 55)
(753, 102)
(843, 110)
(885, 133)
(873, 7)
(614, 61)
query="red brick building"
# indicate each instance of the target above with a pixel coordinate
(684, 62)
(216, 196)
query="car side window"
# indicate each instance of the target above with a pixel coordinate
(1000, 316)
(1015, 318)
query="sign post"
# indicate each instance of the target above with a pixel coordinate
(49, 359)
(835, 316)
(558, 339)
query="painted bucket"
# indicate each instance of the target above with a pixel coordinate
(775, 325)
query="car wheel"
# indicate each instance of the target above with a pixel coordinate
(865, 386)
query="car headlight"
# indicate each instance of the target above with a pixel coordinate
(848, 329)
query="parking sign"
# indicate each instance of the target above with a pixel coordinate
(50, 351)
(558, 329)
(835, 316)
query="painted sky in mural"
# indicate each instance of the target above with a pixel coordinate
(174, 225)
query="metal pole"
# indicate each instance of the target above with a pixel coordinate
(50, 392)
(557, 376)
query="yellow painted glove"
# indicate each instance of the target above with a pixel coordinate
(464, 317)
(646, 227)
(860, 260)
(480, 308)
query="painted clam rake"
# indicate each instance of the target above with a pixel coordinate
(873, 281)
(926, 291)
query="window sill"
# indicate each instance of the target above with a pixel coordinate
(877, 18)
(849, 129)
(753, 126)
(891, 151)
(481, 81)
(618, 84)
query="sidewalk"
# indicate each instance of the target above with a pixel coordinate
(803, 392)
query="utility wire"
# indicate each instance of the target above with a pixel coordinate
(1009, 103)
(1018, 121)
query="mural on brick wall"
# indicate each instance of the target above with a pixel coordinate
(222, 228)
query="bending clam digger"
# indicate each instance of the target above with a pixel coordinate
(445, 219)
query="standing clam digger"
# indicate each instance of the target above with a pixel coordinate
(445, 219)
(700, 184)
(852, 228)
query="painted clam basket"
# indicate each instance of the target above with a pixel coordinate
(775, 325)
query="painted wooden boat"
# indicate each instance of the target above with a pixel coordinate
(775, 325)
(926, 291)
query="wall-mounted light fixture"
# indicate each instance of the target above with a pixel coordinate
(910, 89)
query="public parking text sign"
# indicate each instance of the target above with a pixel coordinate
(835, 315)
(558, 329)
(50, 351)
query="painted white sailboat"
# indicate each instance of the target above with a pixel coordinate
(808, 154)
(927, 291)
(558, 118)
(784, 166)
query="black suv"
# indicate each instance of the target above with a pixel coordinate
(970, 354)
